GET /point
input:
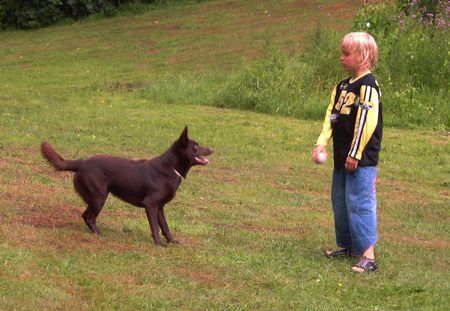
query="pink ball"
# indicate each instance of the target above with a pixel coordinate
(321, 157)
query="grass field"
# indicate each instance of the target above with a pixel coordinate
(253, 223)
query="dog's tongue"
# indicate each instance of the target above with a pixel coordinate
(202, 160)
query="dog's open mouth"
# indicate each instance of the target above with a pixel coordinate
(202, 160)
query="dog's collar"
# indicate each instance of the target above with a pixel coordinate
(178, 174)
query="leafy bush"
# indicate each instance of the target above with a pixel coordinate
(413, 48)
(377, 19)
(80, 8)
(414, 59)
(27, 14)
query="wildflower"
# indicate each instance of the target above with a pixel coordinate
(368, 24)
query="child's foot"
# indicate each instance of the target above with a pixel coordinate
(365, 265)
(344, 252)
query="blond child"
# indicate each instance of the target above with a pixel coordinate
(354, 120)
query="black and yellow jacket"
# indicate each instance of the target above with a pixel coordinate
(354, 119)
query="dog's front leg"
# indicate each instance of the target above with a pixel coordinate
(152, 216)
(165, 227)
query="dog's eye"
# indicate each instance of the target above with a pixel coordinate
(196, 147)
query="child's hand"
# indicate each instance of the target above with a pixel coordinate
(318, 149)
(351, 164)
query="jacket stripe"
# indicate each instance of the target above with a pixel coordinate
(367, 94)
(362, 122)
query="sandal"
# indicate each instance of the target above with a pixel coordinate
(365, 265)
(344, 252)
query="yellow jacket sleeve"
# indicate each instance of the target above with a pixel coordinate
(366, 120)
(327, 131)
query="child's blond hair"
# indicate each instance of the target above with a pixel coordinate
(364, 46)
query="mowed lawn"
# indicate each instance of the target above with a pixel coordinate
(253, 223)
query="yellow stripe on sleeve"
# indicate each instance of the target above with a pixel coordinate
(366, 121)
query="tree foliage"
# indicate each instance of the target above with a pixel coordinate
(26, 14)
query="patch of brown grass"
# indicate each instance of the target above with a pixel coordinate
(399, 191)
(418, 241)
(212, 38)
(199, 276)
(296, 231)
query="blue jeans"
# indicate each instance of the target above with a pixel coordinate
(353, 196)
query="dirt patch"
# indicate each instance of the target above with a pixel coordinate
(196, 275)
(71, 239)
(277, 230)
(125, 86)
(442, 244)
(400, 192)
(56, 217)
(36, 204)
(229, 175)
(297, 231)
(441, 140)
(21, 161)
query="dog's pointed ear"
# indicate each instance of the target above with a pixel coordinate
(184, 139)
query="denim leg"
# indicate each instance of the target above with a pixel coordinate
(362, 207)
(338, 200)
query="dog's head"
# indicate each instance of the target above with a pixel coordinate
(192, 151)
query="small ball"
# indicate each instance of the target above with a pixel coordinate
(321, 157)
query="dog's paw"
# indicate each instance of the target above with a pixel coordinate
(160, 244)
(173, 241)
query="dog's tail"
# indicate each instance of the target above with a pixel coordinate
(57, 161)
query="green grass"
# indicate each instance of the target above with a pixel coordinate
(253, 223)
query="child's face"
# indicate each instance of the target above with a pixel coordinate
(349, 61)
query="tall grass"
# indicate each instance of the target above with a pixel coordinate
(413, 73)
(414, 60)
(277, 83)
(290, 86)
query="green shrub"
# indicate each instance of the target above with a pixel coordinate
(26, 14)
(29, 14)
(81, 8)
(414, 59)
(290, 86)
(377, 19)
(413, 49)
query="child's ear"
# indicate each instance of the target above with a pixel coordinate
(184, 139)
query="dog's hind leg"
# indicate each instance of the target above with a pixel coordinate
(94, 192)
(165, 227)
(90, 216)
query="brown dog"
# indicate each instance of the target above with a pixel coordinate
(145, 183)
